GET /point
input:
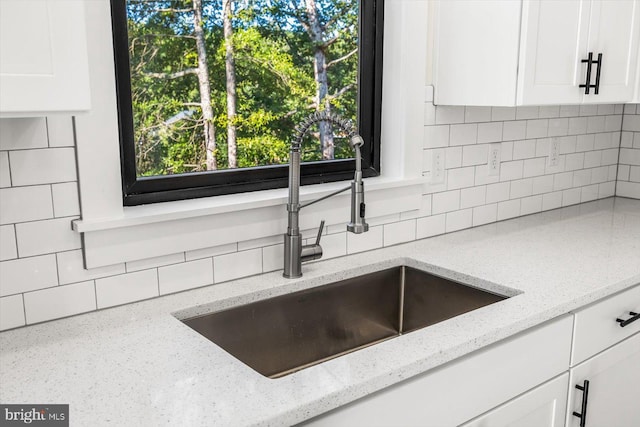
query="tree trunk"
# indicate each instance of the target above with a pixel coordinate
(205, 88)
(320, 75)
(231, 85)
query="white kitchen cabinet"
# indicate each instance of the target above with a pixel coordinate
(43, 57)
(613, 397)
(541, 44)
(467, 387)
(544, 406)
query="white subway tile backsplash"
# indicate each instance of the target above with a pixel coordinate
(528, 112)
(498, 192)
(489, 132)
(126, 288)
(23, 133)
(574, 161)
(562, 181)
(238, 264)
(582, 177)
(65, 199)
(5, 173)
(477, 114)
(473, 196)
(543, 184)
(485, 214)
(333, 245)
(187, 275)
(147, 263)
(571, 196)
(569, 110)
(460, 178)
(537, 128)
(524, 149)
(459, 220)
(71, 268)
(599, 175)
(549, 111)
(508, 209)
(446, 201)
(588, 109)
(514, 130)
(60, 130)
(589, 193)
(399, 232)
(452, 156)
(218, 250)
(48, 236)
(8, 248)
(609, 157)
(613, 123)
(436, 136)
(47, 166)
(634, 173)
(25, 204)
(463, 134)
(592, 159)
(11, 312)
(373, 239)
(499, 114)
(551, 200)
(449, 114)
(61, 301)
(430, 226)
(476, 154)
(511, 170)
(568, 144)
(606, 189)
(577, 125)
(558, 127)
(585, 142)
(521, 188)
(623, 173)
(602, 141)
(605, 109)
(596, 124)
(534, 167)
(273, 256)
(631, 123)
(530, 205)
(27, 274)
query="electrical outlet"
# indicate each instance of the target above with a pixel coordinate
(494, 159)
(437, 167)
(554, 152)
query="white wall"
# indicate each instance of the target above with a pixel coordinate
(629, 170)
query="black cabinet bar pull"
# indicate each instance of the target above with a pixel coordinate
(589, 62)
(585, 396)
(599, 62)
(633, 318)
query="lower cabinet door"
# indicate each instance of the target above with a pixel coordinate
(612, 398)
(544, 406)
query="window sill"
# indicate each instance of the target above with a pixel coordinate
(184, 209)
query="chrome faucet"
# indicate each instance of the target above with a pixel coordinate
(294, 252)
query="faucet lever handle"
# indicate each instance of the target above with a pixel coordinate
(320, 229)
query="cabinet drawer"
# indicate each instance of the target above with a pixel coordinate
(596, 328)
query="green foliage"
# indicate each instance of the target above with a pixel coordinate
(274, 73)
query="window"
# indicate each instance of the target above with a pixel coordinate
(209, 92)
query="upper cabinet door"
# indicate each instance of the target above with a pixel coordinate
(614, 30)
(43, 57)
(552, 45)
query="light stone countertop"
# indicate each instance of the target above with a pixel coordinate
(138, 365)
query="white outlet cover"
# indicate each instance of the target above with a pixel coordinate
(493, 162)
(437, 166)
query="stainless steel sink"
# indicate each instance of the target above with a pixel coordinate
(284, 334)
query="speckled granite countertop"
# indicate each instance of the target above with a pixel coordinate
(138, 365)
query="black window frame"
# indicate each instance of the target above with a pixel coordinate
(143, 190)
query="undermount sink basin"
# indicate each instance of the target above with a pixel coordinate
(287, 333)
